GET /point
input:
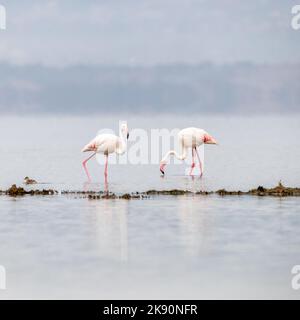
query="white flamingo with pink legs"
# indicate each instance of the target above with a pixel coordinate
(106, 144)
(189, 138)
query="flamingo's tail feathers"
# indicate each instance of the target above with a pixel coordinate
(89, 147)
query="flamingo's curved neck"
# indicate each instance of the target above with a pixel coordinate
(178, 156)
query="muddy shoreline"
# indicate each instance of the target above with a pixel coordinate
(279, 191)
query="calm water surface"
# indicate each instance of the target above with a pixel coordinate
(165, 247)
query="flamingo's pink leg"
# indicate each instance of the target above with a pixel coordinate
(200, 163)
(85, 167)
(106, 165)
(193, 162)
(106, 186)
(105, 175)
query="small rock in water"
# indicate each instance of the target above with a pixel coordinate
(15, 191)
(126, 196)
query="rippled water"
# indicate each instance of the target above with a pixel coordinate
(164, 247)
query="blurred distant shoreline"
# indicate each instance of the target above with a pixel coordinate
(239, 88)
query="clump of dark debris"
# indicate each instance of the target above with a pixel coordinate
(15, 191)
(279, 191)
(126, 196)
(204, 193)
(223, 192)
(98, 196)
(71, 192)
(174, 192)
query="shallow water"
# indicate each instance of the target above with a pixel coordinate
(163, 247)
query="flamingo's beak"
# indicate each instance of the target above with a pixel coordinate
(211, 140)
(162, 168)
(127, 135)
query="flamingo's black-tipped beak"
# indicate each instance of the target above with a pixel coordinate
(161, 168)
(127, 136)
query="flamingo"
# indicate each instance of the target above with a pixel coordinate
(106, 143)
(189, 138)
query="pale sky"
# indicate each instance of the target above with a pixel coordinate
(140, 32)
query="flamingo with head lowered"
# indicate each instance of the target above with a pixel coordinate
(106, 144)
(189, 138)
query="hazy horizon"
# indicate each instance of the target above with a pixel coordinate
(239, 88)
(72, 57)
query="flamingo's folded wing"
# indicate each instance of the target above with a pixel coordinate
(93, 145)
